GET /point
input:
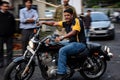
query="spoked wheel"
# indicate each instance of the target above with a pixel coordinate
(15, 71)
(95, 71)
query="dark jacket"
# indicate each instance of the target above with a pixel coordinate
(7, 24)
(80, 36)
(87, 21)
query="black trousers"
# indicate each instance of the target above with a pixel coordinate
(26, 35)
(9, 45)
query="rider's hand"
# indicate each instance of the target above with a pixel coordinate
(57, 39)
(47, 41)
(39, 23)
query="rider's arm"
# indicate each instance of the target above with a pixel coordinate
(52, 23)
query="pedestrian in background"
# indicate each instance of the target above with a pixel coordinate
(58, 16)
(87, 23)
(28, 18)
(7, 29)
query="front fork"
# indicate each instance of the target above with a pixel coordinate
(43, 68)
(29, 62)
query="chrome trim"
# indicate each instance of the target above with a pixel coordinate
(31, 50)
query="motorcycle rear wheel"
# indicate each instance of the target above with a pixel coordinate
(15, 70)
(94, 75)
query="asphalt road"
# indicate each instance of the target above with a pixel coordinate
(113, 68)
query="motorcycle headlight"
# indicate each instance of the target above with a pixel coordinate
(31, 44)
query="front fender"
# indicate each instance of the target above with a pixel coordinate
(22, 59)
(19, 59)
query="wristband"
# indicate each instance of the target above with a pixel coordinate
(62, 37)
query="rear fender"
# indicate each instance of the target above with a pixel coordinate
(106, 57)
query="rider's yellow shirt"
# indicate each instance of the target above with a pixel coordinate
(75, 25)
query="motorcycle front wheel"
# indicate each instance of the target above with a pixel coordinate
(14, 71)
(95, 72)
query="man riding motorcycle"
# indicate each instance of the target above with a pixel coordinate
(76, 36)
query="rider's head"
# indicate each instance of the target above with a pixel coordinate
(68, 14)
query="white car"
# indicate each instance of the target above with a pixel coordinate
(101, 26)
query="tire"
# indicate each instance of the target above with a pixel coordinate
(14, 71)
(112, 37)
(88, 74)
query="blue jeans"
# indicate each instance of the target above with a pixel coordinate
(87, 34)
(69, 49)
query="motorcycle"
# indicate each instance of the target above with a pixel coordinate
(91, 63)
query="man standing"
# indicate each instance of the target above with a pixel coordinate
(58, 16)
(28, 18)
(87, 23)
(7, 29)
(75, 44)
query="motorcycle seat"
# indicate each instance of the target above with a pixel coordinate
(93, 46)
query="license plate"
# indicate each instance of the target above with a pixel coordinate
(101, 31)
